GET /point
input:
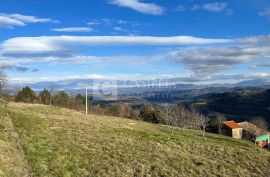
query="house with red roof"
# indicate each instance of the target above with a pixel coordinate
(233, 129)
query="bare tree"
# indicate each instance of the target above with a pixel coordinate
(220, 119)
(200, 121)
(170, 117)
(179, 116)
(260, 122)
(176, 115)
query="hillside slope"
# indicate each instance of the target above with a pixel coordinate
(238, 106)
(62, 142)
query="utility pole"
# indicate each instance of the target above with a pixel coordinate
(86, 99)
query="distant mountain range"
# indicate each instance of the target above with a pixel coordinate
(126, 87)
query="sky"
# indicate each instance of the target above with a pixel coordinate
(195, 41)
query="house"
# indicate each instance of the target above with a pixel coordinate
(231, 128)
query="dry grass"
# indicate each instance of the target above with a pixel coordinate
(61, 142)
(12, 162)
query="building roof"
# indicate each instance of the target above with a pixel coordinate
(231, 124)
(263, 138)
(251, 128)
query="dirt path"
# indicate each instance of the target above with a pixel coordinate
(12, 159)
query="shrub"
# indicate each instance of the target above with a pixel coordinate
(151, 114)
(61, 99)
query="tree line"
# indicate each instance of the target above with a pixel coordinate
(173, 115)
(59, 98)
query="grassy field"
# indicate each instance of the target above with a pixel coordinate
(62, 142)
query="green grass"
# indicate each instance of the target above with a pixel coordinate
(62, 142)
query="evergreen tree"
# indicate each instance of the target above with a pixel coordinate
(45, 97)
(26, 95)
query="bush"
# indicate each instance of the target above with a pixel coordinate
(61, 99)
(124, 110)
(151, 114)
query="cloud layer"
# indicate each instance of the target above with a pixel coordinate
(61, 45)
(206, 62)
(209, 60)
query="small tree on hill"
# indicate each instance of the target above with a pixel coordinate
(26, 95)
(45, 97)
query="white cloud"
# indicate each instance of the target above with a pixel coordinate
(73, 29)
(119, 29)
(12, 20)
(30, 19)
(6, 22)
(109, 22)
(60, 45)
(146, 8)
(93, 22)
(131, 60)
(213, 7)
(266, 12)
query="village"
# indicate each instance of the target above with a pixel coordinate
(247, 131)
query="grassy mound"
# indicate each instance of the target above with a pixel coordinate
(62, 142)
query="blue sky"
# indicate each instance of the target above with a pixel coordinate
(206, 41)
